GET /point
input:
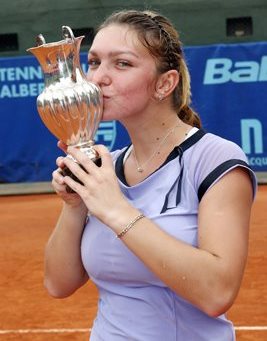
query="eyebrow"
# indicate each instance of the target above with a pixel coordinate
(115, 53)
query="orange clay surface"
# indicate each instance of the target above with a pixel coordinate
(27, 313)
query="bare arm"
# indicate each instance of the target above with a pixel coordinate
(64, 272)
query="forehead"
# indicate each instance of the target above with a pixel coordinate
(118, 37)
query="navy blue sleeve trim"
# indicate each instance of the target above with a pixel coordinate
(216, 173)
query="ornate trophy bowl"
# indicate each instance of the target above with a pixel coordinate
(70, 106)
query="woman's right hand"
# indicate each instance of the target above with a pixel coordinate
(71, 199)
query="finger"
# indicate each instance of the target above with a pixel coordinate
(104, 154)
(58, 188)
(58, 177)
(62, 146)
(77, 169)
(60, 162)
(74, 185)
(83, 159)
(58, 184)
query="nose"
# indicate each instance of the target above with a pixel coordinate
(100, 76)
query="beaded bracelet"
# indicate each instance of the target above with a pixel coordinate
(130, 225)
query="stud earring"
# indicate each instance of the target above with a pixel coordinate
(160, 97)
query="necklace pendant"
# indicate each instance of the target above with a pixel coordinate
(140, 169)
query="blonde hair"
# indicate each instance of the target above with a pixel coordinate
(161, 39)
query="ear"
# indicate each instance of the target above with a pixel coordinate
(166, 83)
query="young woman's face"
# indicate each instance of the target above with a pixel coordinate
(124, 70)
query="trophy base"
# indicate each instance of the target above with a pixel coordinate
(66, 172)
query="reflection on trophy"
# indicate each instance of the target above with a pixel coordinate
(70, 106)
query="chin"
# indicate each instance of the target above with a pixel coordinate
(110, 116)
(107, 118)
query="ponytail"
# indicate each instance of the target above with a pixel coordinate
(182, 97)
(189, 116)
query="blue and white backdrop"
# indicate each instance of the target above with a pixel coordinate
(229, 86)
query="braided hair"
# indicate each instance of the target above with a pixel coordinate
(162, 41)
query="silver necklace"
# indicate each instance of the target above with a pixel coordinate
(140, 168)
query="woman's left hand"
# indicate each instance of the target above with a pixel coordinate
(101, 192)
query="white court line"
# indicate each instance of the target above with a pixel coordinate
(251, 328)
(87, 330)
(45, 331)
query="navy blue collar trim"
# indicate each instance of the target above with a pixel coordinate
(176, 152)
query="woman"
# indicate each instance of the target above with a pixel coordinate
(162, 226)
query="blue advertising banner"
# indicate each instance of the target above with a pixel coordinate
(229, 86)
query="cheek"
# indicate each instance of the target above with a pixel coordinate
(136, 93)
(130, 99)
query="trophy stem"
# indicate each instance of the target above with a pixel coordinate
(87, 149)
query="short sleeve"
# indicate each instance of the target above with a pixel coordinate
(216, 157)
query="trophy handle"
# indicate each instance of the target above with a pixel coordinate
(67, 33)
(40, 40)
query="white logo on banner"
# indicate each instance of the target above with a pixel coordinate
(252, 141)
(224, 70)
(18, 82)
(251, 129)
(106, 134)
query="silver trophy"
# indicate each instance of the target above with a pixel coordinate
(70, 106)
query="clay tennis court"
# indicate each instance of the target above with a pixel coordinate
(27, 313)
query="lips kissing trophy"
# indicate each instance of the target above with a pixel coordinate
(70, 106)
